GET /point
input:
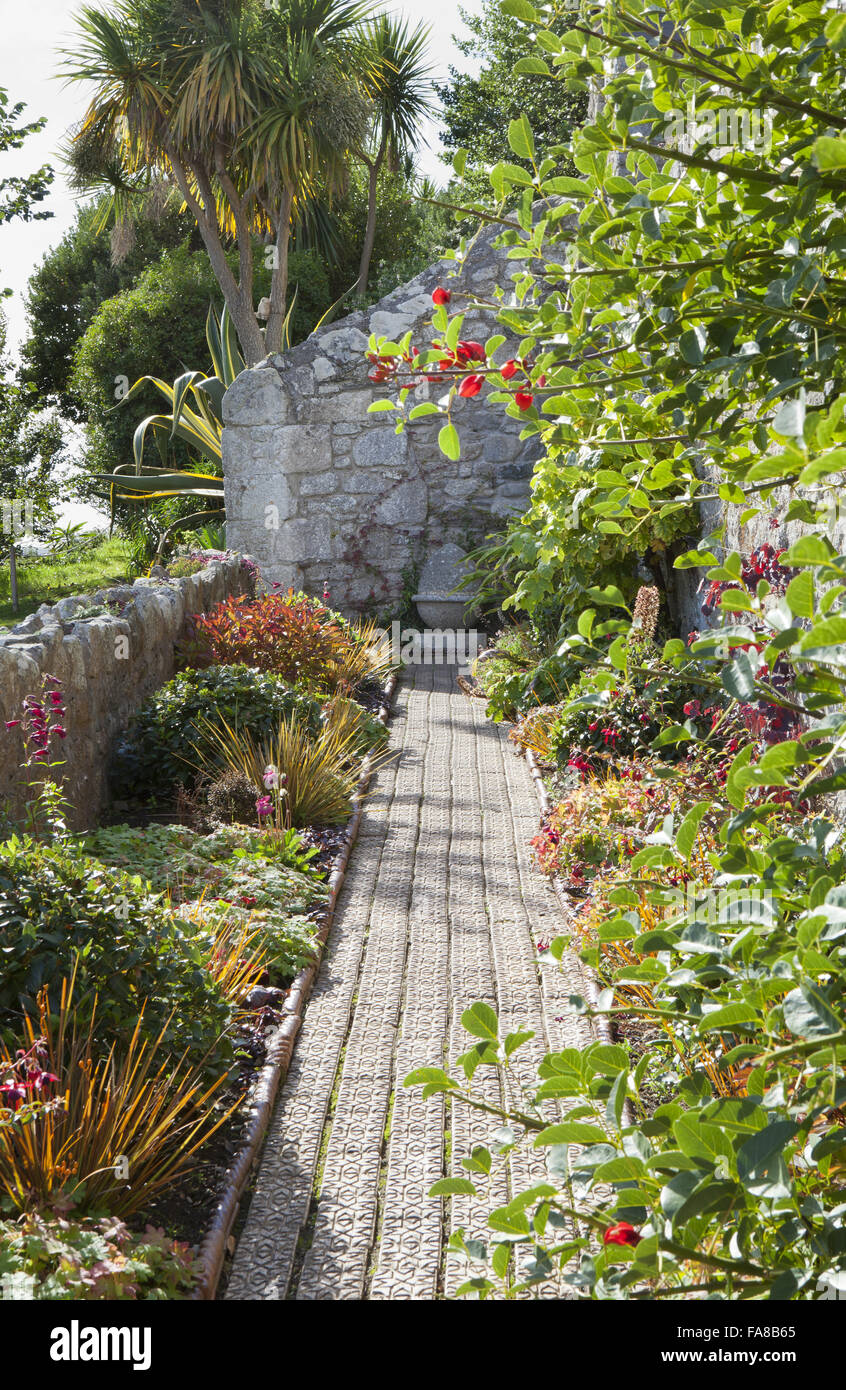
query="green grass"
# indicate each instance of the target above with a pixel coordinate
(46, 580)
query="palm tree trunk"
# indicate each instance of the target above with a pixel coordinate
(279, 280)
(374, 168)
(369, 233)
(238, 298)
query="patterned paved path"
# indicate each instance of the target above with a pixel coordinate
(440, 907)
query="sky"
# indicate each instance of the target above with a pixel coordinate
(33, 35)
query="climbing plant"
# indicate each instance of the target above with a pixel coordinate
(680, 312)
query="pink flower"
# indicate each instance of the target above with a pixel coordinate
(12, 723)
(264, 806)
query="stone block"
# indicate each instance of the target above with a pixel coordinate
(256, 397)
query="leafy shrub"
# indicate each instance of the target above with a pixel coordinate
(520, 673)
(184, 565)
(131, 1103)
(291, 635)
(233, 876)
(60, 908)
(618, 713)
(233, 797)
(159, 749)
(69, 1257)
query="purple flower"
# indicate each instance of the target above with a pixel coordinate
(264, 806)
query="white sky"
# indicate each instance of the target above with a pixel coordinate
(33, 33)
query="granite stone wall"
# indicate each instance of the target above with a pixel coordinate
(320, 491)
(107, 663)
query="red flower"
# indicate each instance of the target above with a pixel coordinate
(523, 400)
(12, 723)
(621, 1234)
(469, 351)
(692, 707)
(441, 296)
(471, 386)
(510, 369)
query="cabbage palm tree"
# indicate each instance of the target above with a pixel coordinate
(401, 98)
(246, 107)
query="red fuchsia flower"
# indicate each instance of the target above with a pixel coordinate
(12, 723)
(59, 731)
(692, 708)
(621, 1234)
(523, 400)
(510, 369)
(471, 385)
(440, 296)
(326, 593)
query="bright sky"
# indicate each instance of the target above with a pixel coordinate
(33, 34)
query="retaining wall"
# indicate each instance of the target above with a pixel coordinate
(107, 665)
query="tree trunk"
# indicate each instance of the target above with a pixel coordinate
(369, 231)
(239, 299)
(279, 280)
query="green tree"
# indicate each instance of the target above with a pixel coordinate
(19, 193)
(31, 450)
(158, 328)
(401, 99)
(75, 278)
(248, 107)
(410, 232)
(477, 108)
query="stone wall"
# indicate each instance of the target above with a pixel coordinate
(107, 664)
(321, 491)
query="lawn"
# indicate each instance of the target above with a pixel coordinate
(44, 579)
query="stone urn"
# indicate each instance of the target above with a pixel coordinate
(437, 605)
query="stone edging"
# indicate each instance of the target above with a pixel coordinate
(279, 1052)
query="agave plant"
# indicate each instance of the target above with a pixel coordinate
(196, 417)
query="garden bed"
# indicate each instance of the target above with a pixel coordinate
(172, 952)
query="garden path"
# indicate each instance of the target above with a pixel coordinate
(440, 907)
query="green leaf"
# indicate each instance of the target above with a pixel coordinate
(692, 345)
(430, 1076)
(449, 442)
(481, 1021)
(755, 1154)
(570, 1133)
(453, 1187)
(520, 138)
(808, 1015)
(830, 152)
(689, 828)
(800, 595)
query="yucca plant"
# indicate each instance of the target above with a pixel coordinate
(310, 781)
(126, 1126)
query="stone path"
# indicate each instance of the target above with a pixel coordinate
(440, 907)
